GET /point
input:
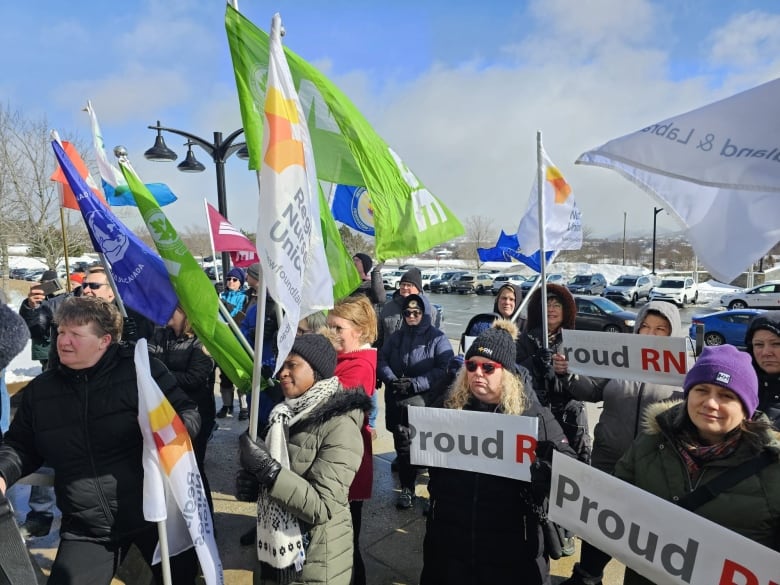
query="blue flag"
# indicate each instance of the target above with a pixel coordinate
(120, 195)
(352, 207)
(507, 249)
(140, 275)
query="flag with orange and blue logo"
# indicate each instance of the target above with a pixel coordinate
(173, 487)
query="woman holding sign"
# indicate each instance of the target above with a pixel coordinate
(483, 528)
(714, 431)
(619, 423)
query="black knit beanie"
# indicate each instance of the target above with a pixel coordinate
(365, 260)
(318, 351)
(13, 335)
(497, 343)
(413, 276)
(413, 301)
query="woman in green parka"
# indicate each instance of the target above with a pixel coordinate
(303, 469)
(716, 428)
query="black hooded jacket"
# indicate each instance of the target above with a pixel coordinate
(84, 424)
(768, 384)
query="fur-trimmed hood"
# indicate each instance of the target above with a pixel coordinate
(535, 313)
(668, 416)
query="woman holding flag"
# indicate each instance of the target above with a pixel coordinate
(81, 417)
(301, 473)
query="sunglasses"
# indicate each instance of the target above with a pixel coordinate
(229, 278)
(93, 285)
(487, 367)
(412, 313)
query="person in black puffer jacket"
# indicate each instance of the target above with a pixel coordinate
(82, 419)
(485, 528)
(763, 344)
(183, 354)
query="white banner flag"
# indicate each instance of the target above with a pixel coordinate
(562, 218)
(662, 541)
(717, 168)
(173, 488)
(289, 236)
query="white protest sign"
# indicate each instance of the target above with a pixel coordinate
(656, 538)
(626, 356)
(485, 442)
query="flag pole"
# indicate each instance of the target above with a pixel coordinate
(542, 251)
(211, 240)
(257, 377)
(65, 250)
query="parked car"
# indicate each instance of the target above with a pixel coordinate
(479, 283)
(600, 314)
(724, 326)
(392, 279)
(763, 296)
(503, 279)
(34, 274)
(551, 278)
(678, 290)
(427, 277)
(587, 284)
(444, 284)
(629, 288)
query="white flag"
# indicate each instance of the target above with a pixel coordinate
(173, 489)
(717, 168)
(289, 237)
(562, 219)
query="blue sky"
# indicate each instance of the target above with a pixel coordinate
(458, 88)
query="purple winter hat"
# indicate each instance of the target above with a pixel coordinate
(726, 366)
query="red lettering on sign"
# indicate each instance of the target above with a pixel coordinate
(526, 445)
(730, 568)
(650, 356)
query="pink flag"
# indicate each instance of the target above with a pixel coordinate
(227, 238)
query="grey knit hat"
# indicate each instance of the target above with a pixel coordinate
(318, 351)
(497, 343)
(13, 335)
(413, 276)
(253, 270)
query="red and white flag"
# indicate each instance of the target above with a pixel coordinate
(228, 238)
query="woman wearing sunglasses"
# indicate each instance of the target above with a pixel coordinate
(412, 364)
(482, 528)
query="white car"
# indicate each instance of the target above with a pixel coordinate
(503, 279)
(392, 279)
(427, 277)
(679, 290)
(763, 296)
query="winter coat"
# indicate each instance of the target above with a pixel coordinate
(480, 528)
(420, 353)
(768, 384)
(356, 370)
(192, 367)
(325, 450)
(84, 424)
(625, 400)
(750, 508)
(40, 322)
(234, 300)
(391, 317)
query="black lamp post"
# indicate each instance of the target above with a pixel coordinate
(656, 211)
(219, 150)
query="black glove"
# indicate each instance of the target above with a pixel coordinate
(256, 459)
(545, 365)
(541, 480)
(247, 486)
(129, 329)
(402, 388)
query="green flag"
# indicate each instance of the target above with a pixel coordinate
(342, 268)
(194, 289)
(408, 219)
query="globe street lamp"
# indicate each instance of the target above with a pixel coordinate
(656, 211)
(219, 150)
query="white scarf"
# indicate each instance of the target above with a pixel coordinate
(279, 540)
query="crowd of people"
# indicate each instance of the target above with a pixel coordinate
(310, 467)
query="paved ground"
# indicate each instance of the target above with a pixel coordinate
(391, 539)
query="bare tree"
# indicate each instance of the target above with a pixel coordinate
(480, 233)
(29, 200)
(354, 242)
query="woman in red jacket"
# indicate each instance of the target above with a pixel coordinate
(353, 326)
